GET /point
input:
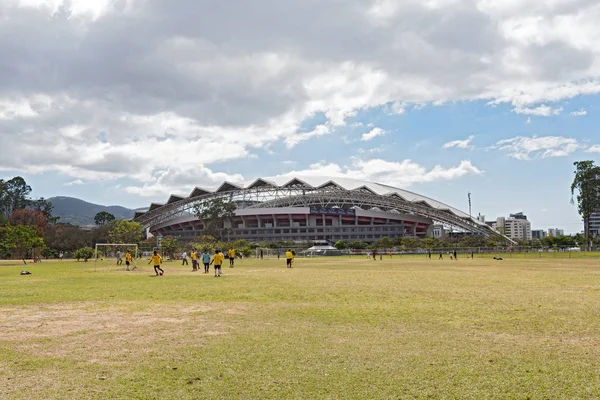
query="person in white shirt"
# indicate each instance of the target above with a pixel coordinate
(184, 260)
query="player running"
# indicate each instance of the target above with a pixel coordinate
(157, 260)
(289, 258)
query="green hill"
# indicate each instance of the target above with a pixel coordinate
(79, 212)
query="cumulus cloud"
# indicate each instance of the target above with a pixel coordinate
(109, 89)
(524, 148)
(402, 174)
(460, 144)
(540, 111)
(580, 113)
(372, 134)
(182, 177)
(594, 149)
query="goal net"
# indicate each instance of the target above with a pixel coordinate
(265, 253)
(116, 254)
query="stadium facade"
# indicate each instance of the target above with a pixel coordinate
(309, 209)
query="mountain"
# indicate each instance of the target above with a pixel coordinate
(79, 212)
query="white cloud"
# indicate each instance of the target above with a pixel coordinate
(372, 134)
(373, 150)
(579, 113)
(76, 182)
(395, 108)
(180, 178)
(460, 144)
(319, 130)
(221, 82)
(401, 174)
(524, 148)
(540, 111)
(594, 149)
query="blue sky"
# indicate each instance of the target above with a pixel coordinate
(136, 100)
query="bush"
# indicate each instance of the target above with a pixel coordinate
(84, 253)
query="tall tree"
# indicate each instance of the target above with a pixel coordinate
(587, 185)
(63, 237)
(14, 195)
(19, 239)
(45, 207)
(103, 218)
(213, 213)
(31, 218)
(126, 232)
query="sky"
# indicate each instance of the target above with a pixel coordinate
(127, 101)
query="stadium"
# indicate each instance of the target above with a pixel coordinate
(311, 209)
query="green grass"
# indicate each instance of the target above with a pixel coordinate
(328, 328)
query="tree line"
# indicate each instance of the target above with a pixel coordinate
(29, 230)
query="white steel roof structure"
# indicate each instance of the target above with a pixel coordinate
(313, 191)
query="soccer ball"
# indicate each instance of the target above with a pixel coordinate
(160, 273)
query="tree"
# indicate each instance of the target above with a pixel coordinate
(587, 185)
(100, 234)
(13, 195)
(170, 246)
(45, 207)
(357, 245)
(31, 218)
(126, 232)
(410, 243)
(19, 239)
(103, 218)
(64, 237)
(84, 253)
(213, 213)
(340, 245)
(430, 243)
(385, 243)
(207, 243)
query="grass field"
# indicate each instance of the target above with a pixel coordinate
(328, 329)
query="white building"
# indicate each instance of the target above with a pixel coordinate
(438, 231)
(554, 232)
(514, 228)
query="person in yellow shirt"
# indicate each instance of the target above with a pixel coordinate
(231, 257)
(157, 260)
(127, 260)
(218, 261)
(289, 256)
(194, 257)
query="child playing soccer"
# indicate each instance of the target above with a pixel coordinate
(157, 260)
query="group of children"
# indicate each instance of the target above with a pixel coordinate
(217, 260)
(128, 259)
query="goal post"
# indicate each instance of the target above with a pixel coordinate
(117, 252)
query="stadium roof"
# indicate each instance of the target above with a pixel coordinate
(300, 190)
(355, 184)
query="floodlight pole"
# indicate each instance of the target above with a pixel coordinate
(470, 205)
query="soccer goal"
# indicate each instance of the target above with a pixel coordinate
(265, 253)
(114, 252)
